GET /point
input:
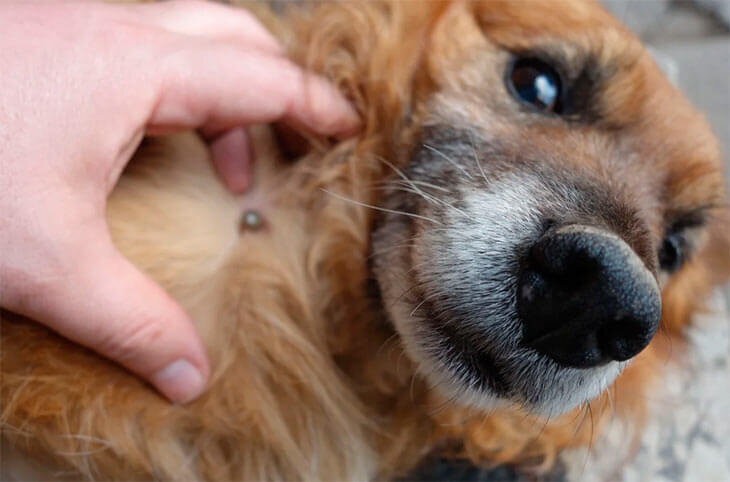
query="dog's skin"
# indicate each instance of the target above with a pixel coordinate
(350, 342)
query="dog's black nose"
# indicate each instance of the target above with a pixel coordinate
(586, 298)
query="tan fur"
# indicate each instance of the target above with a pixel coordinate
(309, 382)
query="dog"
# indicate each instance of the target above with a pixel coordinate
(495, 267)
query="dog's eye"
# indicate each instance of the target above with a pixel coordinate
(681, 240)
(671, 252)
(534, 82)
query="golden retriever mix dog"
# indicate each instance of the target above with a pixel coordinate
(497, 265)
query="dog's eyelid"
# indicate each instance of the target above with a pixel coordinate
(681, 238)
(570, 63)
(689, 219)
(551, 57)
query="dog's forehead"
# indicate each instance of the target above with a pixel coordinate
(537, 17)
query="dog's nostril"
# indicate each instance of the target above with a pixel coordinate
(548, 224)
(585, 298)
(624, 339)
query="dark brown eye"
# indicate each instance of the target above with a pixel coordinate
(681, 239)
(671, 252)
(536, 83)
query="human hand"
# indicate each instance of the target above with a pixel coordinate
(81, 84)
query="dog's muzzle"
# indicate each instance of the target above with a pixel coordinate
(585, 298)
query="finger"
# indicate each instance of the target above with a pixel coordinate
(107, 305)
(231, 153)
(218, 87)
(207, 19)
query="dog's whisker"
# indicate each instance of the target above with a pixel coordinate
(434, 200)
(378, 208)
(400, 173)
(445, 403)
(415, 267)
(390, 249)
(476, 157)
(590, 440)
(664, 332)
(401, 357)
(539, 433)
(411, 389)
(408, 290)
(611, 404)
(82, 453)
(416, 190)
(449, 160)
(419, 183)
(425, 299)
(86, 438)
(15, 430)
(392, 338)
(405, 178)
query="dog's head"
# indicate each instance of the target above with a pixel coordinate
(557, 184)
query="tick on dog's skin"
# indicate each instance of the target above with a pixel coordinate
(251, 220)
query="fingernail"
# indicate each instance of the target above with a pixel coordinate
(179, 381)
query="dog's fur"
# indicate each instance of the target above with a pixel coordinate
(311, 380)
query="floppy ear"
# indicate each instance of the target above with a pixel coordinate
(687, 290)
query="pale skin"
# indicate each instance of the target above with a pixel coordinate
(80, 85)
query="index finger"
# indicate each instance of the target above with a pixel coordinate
(216, 86)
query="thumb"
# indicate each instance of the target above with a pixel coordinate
(108, 305)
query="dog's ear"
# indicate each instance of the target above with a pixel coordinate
(687, 290)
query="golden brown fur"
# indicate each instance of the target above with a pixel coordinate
(309, 380)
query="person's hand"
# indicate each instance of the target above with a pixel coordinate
(80, 85)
